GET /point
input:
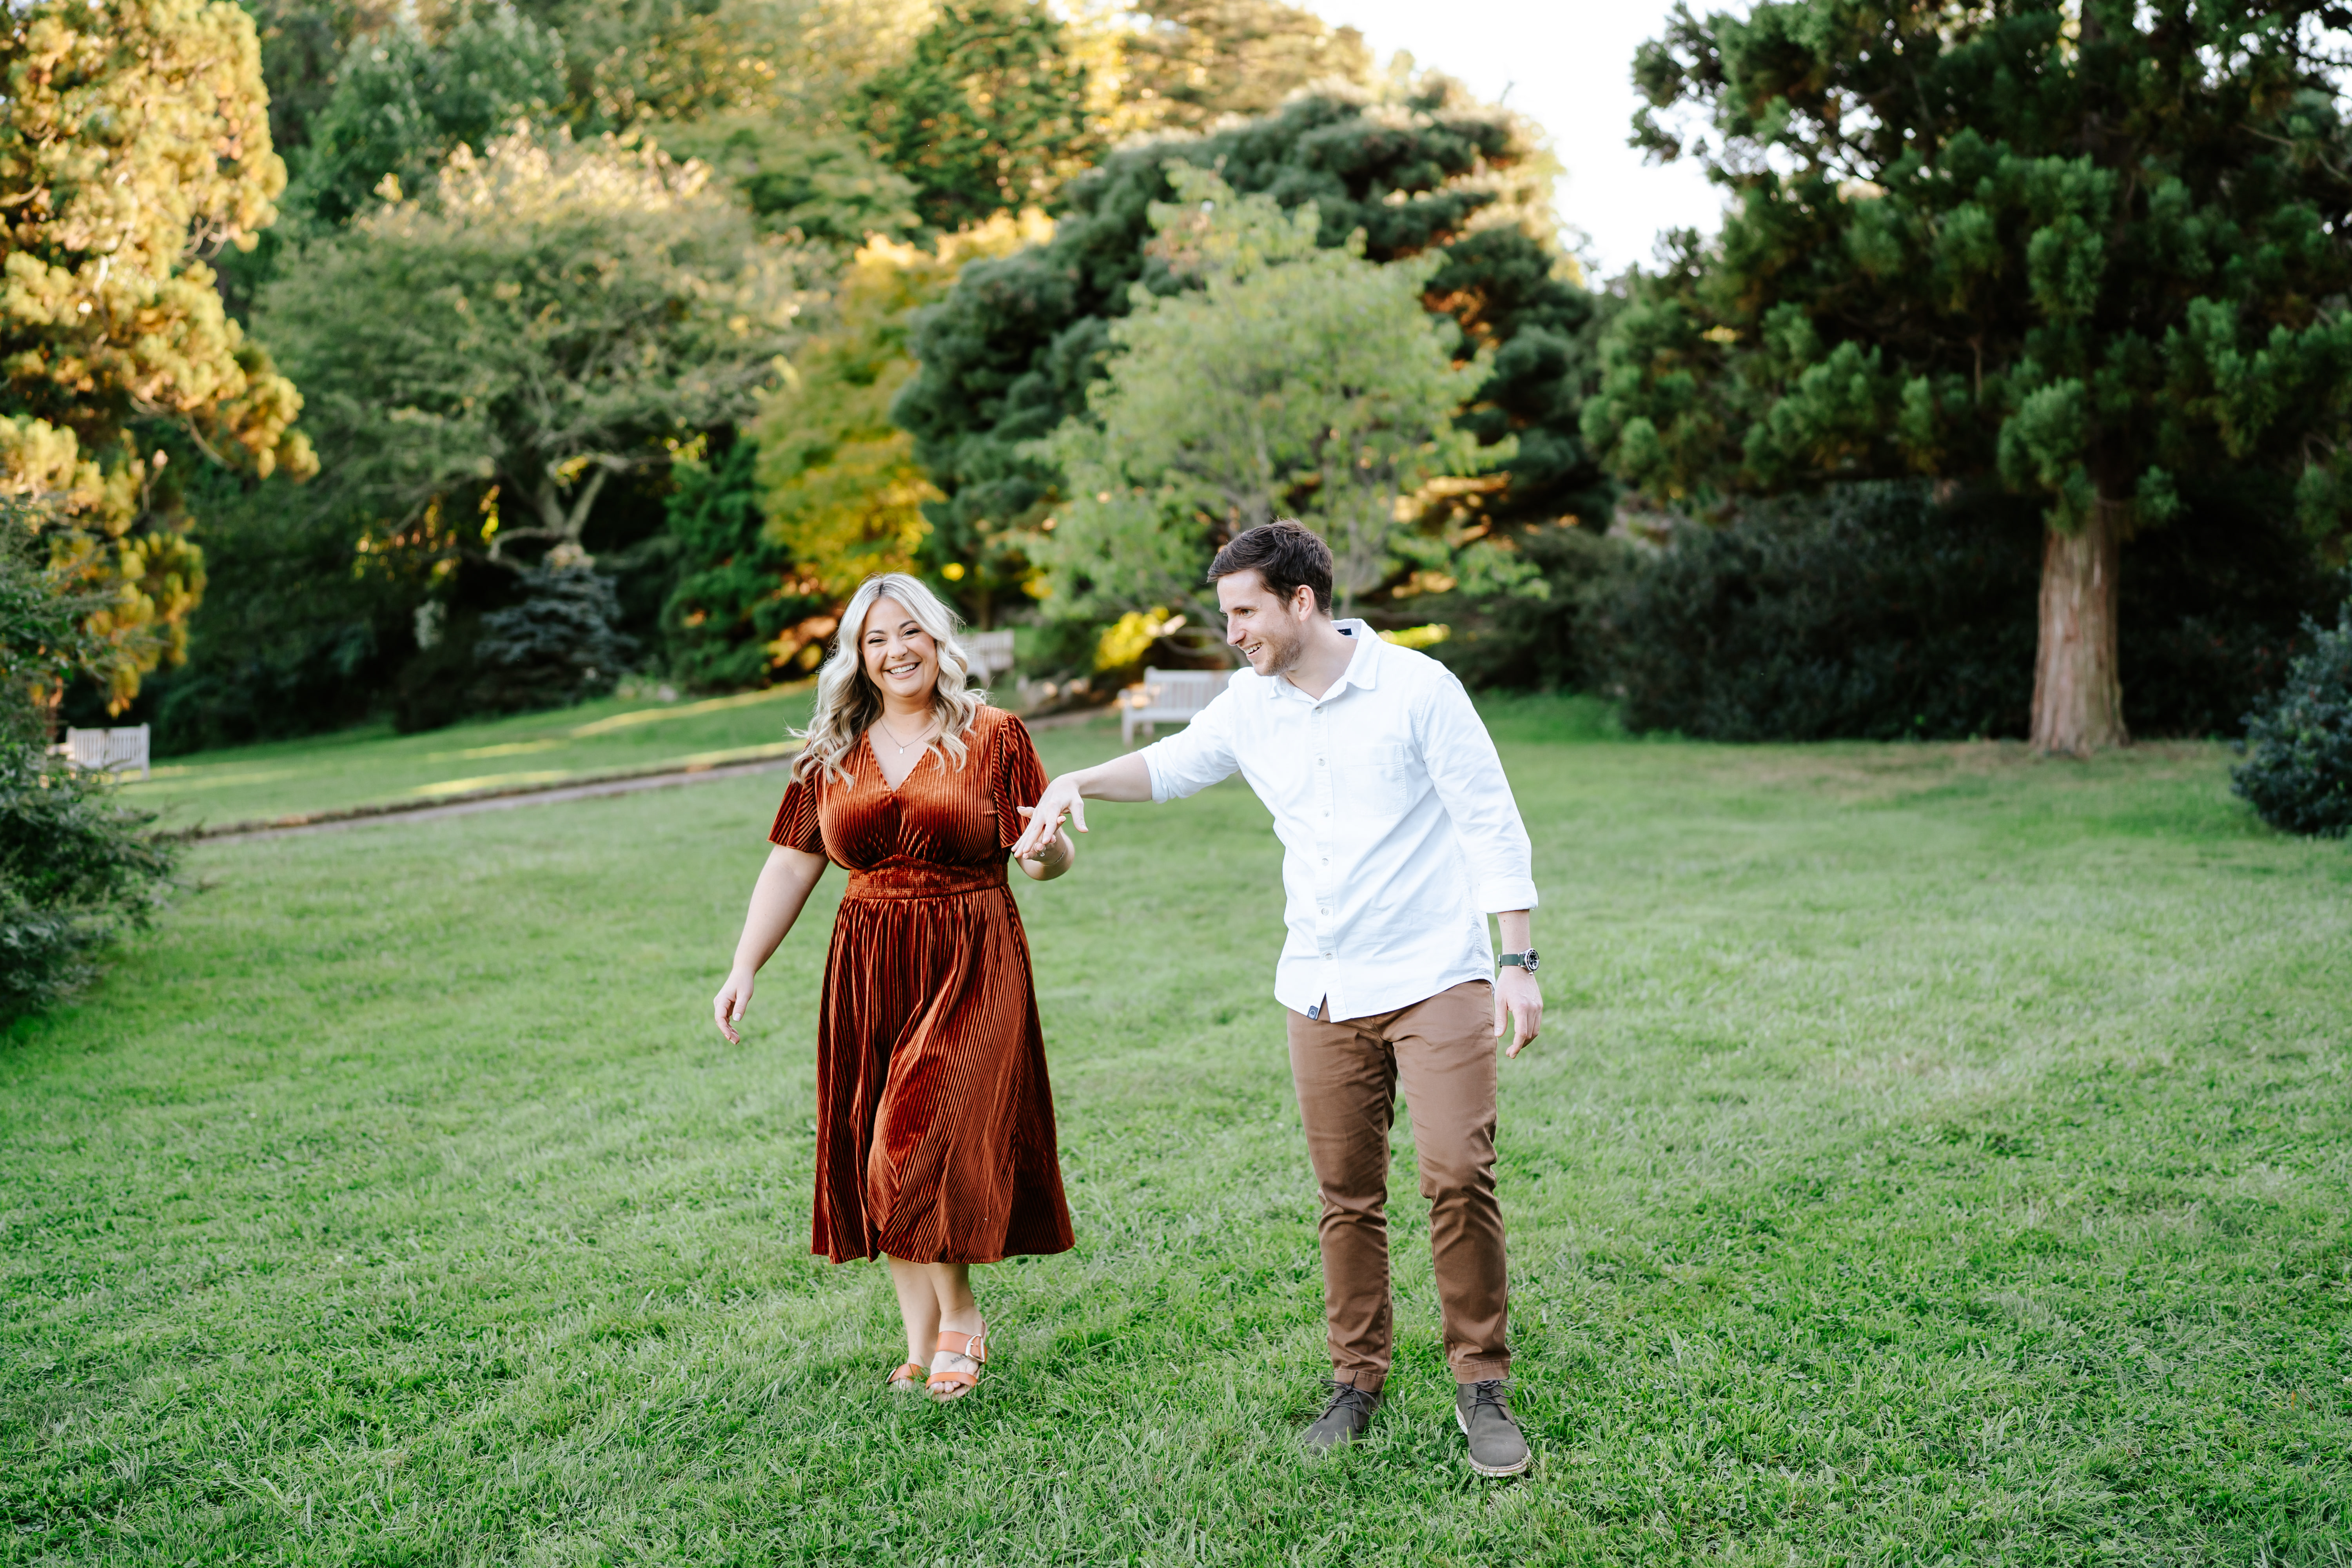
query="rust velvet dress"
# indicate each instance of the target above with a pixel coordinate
(935, 1123)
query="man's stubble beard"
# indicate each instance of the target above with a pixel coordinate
(1282, 658)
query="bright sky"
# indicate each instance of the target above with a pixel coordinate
(1569, 65)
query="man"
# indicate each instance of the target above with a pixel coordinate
(1399, 835)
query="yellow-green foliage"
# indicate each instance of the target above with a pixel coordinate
(1297, 380)
(134, 137)
(837, 479)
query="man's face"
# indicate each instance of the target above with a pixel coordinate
(1270, 633)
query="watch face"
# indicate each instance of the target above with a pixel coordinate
(1532, 961)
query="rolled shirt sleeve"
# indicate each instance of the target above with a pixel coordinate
(1468, 777)
(1198, 755)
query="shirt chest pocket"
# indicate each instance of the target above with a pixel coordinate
(1378, 779)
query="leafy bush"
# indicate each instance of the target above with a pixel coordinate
(2298, 769)
(76, 872)
(75, 869)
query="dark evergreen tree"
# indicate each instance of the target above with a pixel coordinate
(560, 645)
(1012, 349)
(2099, 251)
(736, 591)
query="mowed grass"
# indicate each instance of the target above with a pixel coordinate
(372, 766)
(1932, 1155)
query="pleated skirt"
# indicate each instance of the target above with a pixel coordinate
(935, 1121)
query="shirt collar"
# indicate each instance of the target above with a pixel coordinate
(1363, 665)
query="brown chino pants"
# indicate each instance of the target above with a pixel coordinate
(1348, 1072)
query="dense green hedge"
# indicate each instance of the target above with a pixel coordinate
(1871, 611)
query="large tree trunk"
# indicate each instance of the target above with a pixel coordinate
(2078, 698)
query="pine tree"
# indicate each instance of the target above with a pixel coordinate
(2094, 251)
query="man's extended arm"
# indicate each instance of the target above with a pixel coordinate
(1191, 760)
(1121, 778)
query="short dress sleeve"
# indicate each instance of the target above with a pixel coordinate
(796, 821)
(1020, 780)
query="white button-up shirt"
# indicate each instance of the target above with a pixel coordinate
(1398, 828)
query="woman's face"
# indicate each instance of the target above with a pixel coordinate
(901, 656)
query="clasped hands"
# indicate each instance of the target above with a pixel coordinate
(1042, 838)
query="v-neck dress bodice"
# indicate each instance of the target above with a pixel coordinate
(935, 1121)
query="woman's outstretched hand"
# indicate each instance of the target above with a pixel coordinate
(733, 999)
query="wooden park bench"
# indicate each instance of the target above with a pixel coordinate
(1172, 695)
(106, 750)
(991, 652)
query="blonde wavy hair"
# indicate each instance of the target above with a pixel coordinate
(847, 700)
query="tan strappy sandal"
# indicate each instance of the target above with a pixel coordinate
(908, 1379)
(955, 1383)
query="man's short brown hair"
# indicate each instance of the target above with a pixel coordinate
(1285, 555)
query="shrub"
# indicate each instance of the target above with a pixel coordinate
(75, 869)
(2298, 769)
(76, 872)
(556, 646)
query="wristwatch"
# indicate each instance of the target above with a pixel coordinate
(1526, 960)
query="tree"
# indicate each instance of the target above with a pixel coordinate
(553, 316)
(401, 102)
(1297, 379)
(839, 481)
(134, 142)
(1010, 354)
(1184, 65)
(987, 114)
(739, 608)
(2094, 252)
(775, 530)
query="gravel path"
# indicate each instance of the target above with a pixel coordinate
(501, 802)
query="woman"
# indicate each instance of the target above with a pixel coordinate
(935, 1124)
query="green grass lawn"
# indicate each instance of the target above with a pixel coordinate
(372, 766)
(1932, 1155)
